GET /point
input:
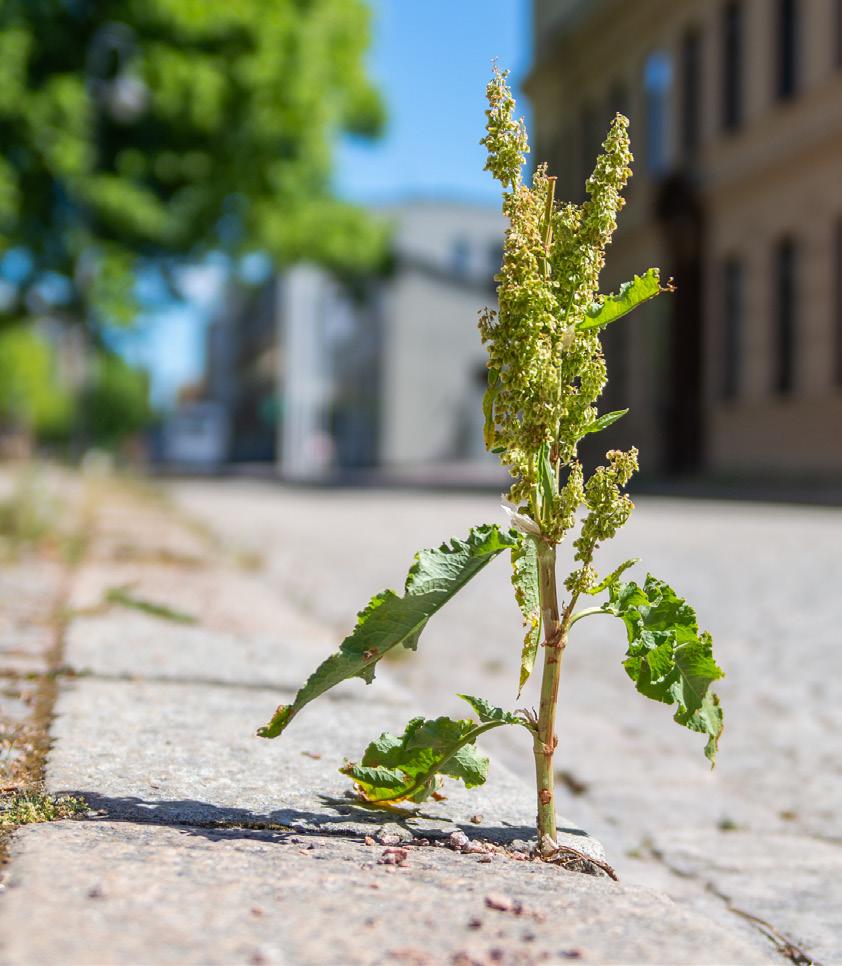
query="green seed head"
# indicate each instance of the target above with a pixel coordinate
(547, 374)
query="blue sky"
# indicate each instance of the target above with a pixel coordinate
(431, 60)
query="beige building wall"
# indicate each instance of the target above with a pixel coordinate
(779, 175)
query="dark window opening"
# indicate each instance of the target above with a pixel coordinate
(589, 143)
(786, 43)
(732, 327)
(618, 100)
(691, 95)
(460, 257)
(732, 65)
(657, 82)
(837, 33)
(838, 305)
(785, 313)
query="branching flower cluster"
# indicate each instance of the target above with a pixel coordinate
(546, 370)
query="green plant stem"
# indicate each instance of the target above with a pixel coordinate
(545, 742)
(588, 612)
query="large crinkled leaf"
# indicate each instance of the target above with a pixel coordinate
(668, 658)
(527, 595)
(631, 294)
(389, 620)
(407, 767)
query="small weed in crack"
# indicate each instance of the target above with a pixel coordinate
(30, 808)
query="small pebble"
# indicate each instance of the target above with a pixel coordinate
(474, 847)
(393, 834)
(496, 900)
(393, 856)
(476, 819)
(458, 841)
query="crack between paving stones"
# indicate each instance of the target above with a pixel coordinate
(69, 674)
(782, 943)
(430, 840)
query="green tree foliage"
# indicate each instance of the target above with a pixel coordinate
(160, 129)
(30, 397)
(117, 400)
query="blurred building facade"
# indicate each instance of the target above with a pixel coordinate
(240, 370)
(326, 379)
(736, 125)
(433, 362)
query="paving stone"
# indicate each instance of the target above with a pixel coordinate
(762, 580)
(791, 882)
(126, 643)
(119, 892)
(215, 846)
(187, 753)
(226, 599)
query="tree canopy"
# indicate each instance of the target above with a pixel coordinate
(163, 129)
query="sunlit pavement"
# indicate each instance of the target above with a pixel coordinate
(759, 835)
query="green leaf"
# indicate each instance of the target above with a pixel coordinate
(613, 577)
(668, 659)
(407, 767)
(604, 421)
(631, 294)
(487, 712)
(389, 620)
(488, 407)
(527, 595)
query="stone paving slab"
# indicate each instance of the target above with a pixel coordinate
(214, 846)
(763, 579)
(128, 893)
(240, 604)
(125, 643)
(791, 881)
(187, 753)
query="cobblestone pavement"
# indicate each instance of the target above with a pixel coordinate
(757, 839)
(192, 613)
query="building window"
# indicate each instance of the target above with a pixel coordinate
(618, 100)
(785, 314)
(589, 142)
(657, 82)
(691, 94)
(838, 305)
(786, 49)
(732, 327)
(460, 257)
(732, 65)
(837, 33)
(495, 261)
